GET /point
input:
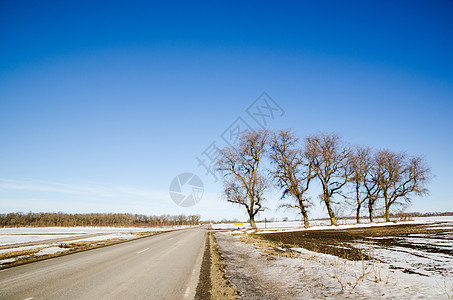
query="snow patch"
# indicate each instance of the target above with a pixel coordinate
(51, 250)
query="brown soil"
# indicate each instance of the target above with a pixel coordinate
(341, 242)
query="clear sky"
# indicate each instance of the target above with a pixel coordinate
(103, 103)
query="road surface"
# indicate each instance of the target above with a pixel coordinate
(165, 266)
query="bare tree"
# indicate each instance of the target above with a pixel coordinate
(373, 194)
(400, 176)
(361, 164)
(244, 184)
(330, 158)
(292, 170)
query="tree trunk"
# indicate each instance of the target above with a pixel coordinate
(359, 203)
(303, 212)
(252, 222)
(387, 210)
(387, 213)
(330, 211)
(358, 213)
(305, 215)
(370, 210)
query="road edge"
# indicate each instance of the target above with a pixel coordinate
(213, 283)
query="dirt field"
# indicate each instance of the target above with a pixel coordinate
(422, 249)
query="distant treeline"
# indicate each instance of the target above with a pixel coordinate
(93, 219)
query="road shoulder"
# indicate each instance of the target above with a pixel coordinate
(213, 283)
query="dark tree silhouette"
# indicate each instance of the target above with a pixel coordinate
(292, 170)
(244, 183)
(330, 160)
(399, 177)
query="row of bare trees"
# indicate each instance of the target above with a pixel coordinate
(94, 219)
(345, 173)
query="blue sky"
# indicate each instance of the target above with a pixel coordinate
(103, 103)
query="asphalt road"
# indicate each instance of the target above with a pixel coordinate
(165, 266)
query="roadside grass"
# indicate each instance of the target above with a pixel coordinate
(89, 244)
(372, 269)
(213, 283)
(271, 248)
(14, 254)
(221, 285)
(447, 286)
(79, 245)
(145, 233)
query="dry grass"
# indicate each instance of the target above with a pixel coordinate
(14, 254)
(372, 269)
(221, 287)
(145, 233)
(78, 245)
(447, 286)
(270, 248)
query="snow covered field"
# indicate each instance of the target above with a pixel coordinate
(325, 224)
(49, 240)
(403, 265)
(314, 224)
(36, 234)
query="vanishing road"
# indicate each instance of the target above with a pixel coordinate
(165, 266)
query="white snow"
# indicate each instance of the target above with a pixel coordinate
(313, 275)
(9, 239)
(51, 250)
(10, 260)
(325, 224)
(421, 266)
(76, 230)
(113, 236)
(24, 248)
(17, 235)
(298, 226)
